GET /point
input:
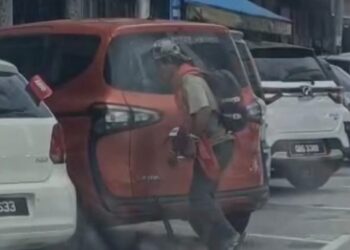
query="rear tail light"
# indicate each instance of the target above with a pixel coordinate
(337, 97)
(57, 148)
(271, 95)
(144, 117)
(109, 119)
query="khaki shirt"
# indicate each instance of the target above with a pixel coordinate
(199, 96)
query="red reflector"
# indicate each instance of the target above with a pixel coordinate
(57, 149)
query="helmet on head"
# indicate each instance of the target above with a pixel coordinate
(167, 49)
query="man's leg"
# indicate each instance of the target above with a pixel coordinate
(207, 217)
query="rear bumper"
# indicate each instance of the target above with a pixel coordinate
(334, 155)
(281, 160)
(140, 210)
(52, 213)
(338, 134)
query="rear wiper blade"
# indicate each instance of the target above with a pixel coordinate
(271, 90)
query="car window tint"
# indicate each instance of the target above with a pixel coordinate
(69, 55)
(15, 102)
(130, 65)
(57, 58)
(27, 53)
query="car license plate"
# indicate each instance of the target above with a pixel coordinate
(312, 148)
(13, 207)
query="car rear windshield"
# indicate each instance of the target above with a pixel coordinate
(15, 102)
(130, 65)
(288, 66)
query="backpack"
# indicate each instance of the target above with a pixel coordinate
(227, 91)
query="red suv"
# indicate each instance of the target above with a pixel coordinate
(117, 115)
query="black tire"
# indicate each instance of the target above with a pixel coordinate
(308, 177)
(239, 220)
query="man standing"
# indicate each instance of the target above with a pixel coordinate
(214, 147)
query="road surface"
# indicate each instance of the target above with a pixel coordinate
(292, 220)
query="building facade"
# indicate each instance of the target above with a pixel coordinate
(346, 27)
(25, 11)
(316, 23)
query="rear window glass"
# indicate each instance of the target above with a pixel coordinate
(130, 65)
(57, 58)
(289, 68)
(15, 102)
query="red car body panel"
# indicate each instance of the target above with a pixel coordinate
(124, 176)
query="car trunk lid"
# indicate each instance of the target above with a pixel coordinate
(24, 150)
(302, 107)
(25, 132)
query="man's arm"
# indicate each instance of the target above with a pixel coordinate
(199, 121)
(198, 105)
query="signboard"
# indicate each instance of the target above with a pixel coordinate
(175, 9)
(237, 21)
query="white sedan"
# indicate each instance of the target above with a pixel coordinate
(37, 198)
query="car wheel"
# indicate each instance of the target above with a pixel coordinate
(239, 220)
(309, 177)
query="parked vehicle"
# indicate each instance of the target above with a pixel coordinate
(117, 115)
(341, 60)
(343, 78)
(37, 198)
(255, 81)
(305, 115)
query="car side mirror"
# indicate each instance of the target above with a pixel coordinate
(38, 89)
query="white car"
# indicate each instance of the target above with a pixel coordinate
(305, 116)
(37, 198)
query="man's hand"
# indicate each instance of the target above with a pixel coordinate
(172, 159)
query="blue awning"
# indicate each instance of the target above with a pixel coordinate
(240, 6)
(238, 14)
